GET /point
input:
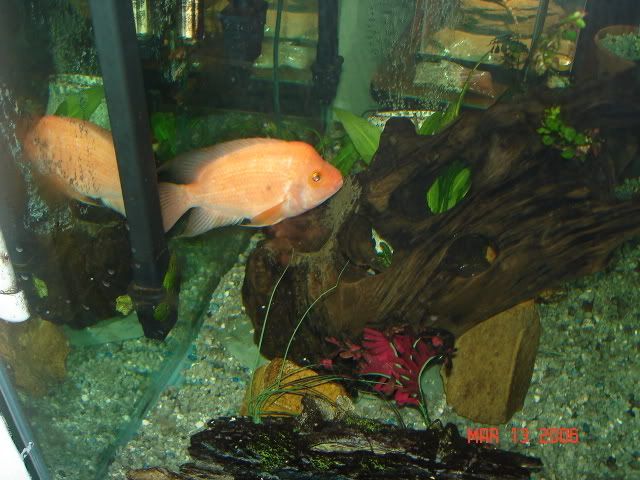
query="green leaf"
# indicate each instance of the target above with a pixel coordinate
(547, 140)
(460, 185)
(41, 287)
(346, 158)
(81, 104)
(568, 153)
(581, 139)
(124, 305)
(365, 137)
(449, 188)
(570, 35)
(553, 123)
(432, 124)
(434, 198)
(437, 121)
(163, 125)
(569, 133)
(386, 256)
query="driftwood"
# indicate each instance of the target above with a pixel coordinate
(313, 447)
(532, 219)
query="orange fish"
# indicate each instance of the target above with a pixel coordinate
(260, 179)
(78, 157)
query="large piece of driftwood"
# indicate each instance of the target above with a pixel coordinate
(544, 218)
(312, 446)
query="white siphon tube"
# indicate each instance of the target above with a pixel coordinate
(13, 303)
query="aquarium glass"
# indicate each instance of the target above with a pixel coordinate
(357, 185)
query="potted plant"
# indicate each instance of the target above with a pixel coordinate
(617, 48)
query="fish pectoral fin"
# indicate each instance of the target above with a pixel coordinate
(204, 219)
(115, 203)
(270, 216)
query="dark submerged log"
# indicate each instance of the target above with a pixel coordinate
(311, 447)
(531, 220)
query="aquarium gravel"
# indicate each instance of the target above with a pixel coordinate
(585, 376)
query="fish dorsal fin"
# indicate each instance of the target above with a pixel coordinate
(203, 219)
(185, 167)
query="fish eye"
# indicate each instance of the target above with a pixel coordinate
(315, 176)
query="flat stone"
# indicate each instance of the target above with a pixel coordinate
(37, 351)
(297, 381)
(493, 365)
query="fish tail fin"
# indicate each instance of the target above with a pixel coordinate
(174, 202)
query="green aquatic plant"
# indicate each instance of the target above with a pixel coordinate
(360, 143)
(165, 134)
(510, 50)
(449, 188)
(549, 49)
(302, 386)
(439, 120)
(383, 249)
(81, 104)
(365, 137)
(41, 287)
(346, 158)
(124, 305)
(557, 134)
(170, 283)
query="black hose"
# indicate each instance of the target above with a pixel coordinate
(276, 62)
(538, 27)
(117, 48)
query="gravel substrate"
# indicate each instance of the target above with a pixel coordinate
(585, 377)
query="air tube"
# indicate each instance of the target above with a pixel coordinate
(13, 304)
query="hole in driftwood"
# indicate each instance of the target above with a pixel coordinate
(470, 255)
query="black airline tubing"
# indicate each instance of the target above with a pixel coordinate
(117, 47)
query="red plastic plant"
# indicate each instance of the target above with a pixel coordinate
(397, 360)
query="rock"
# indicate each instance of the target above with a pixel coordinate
(299, 380)
(493, 365)
(36, 351)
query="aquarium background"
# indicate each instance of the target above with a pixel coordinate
(100, 397)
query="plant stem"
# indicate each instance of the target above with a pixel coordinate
(295, 330)
(264, 328)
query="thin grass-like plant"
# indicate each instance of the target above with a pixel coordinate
(301, 386)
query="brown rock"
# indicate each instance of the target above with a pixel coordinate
(493, 365)
(296, 381)
(36, 351)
